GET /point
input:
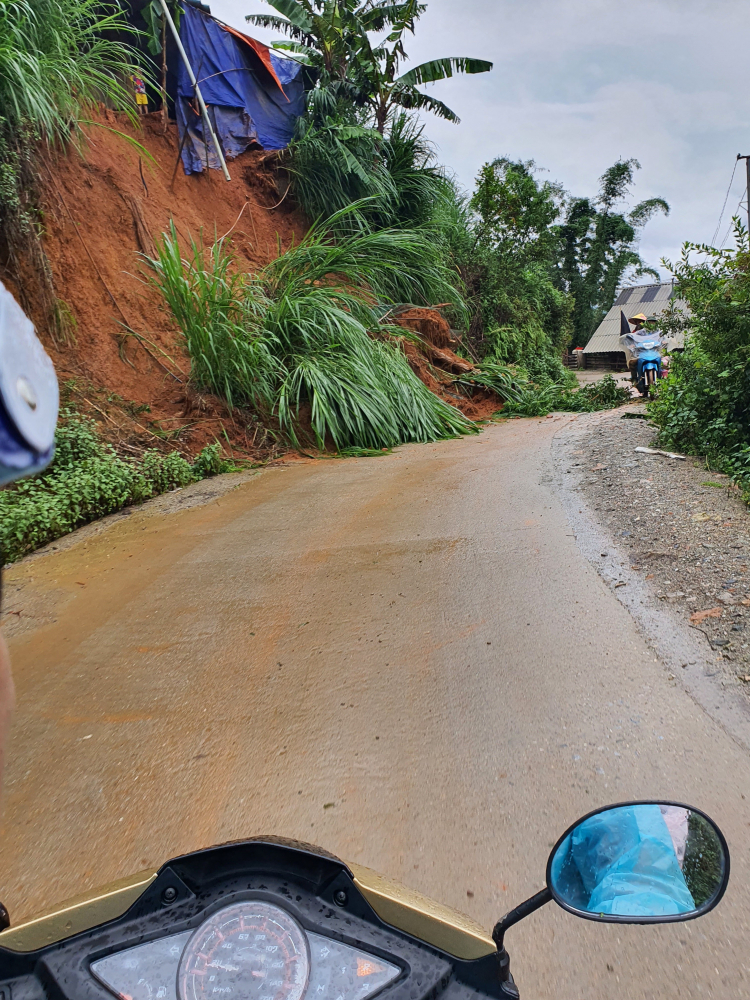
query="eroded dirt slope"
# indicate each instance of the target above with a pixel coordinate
(102, 209)
(118, 354)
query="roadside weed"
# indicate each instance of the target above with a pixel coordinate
(86, 481)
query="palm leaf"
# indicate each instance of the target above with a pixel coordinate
(308, 54)
(412, 99)
(279, 24)
(295, 12)
(441, 69)
(386, 14)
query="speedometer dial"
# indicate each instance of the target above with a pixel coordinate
(247, 951)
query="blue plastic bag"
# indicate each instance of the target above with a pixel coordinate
(622, 862)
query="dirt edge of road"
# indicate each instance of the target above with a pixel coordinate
(683, 652)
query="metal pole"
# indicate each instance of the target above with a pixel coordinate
(747, 189)
(199, 96)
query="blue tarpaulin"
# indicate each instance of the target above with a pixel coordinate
(253, 95)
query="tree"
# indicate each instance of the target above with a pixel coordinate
(515, 211)
(599, 246)
(333, 36)
(704, 406)
(518, 312)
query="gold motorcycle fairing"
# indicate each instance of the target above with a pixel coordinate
(397, 905)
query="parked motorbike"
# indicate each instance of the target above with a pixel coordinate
(271, 919)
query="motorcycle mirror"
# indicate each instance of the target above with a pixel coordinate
(640, 863)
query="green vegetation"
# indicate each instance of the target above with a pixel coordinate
(85, 481)
(304, 338)
(536, 267)
(598, 247)
(703, 865)
(336, 163)
(703, 408)
(504, 244)
(537, 400)
(57, 60)
(336, 40)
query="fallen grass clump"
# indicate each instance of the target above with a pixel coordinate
(86, 481)
(303, 341)
(506, 382)
(537, 401)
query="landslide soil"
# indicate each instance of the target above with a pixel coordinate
(105, 205)
(118, 354)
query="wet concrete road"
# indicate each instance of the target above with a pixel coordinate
(404, 659)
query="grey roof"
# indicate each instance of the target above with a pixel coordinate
(651, 300)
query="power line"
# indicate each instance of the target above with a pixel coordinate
(731, 224)
(726, 199)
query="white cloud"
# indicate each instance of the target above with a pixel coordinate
(579, 83)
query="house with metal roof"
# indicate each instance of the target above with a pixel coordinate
(652, 300)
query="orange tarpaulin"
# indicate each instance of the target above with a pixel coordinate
(262, 52)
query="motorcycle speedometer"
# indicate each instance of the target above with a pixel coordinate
(253, 950)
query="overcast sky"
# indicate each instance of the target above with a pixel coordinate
(579, 83)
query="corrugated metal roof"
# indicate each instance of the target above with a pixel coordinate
(649, 299)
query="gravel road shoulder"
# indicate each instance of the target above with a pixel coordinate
(672, 541)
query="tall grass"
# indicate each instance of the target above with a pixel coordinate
(334, 163)
(57, 57)
(339, 159)
(303, 341)
(220, 313)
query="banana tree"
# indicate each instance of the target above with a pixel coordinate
(334, 37)
(389, 91)
(317, 30)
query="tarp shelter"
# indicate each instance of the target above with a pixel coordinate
(253, 95)
(651, 300)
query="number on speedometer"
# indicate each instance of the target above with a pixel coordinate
(247, 951)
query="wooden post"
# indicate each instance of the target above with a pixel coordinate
(201, 103)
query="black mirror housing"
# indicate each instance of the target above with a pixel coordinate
(640, 862)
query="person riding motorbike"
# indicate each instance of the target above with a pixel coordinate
(631, 357)
(642, 350)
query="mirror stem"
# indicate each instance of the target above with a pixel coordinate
(521, 911)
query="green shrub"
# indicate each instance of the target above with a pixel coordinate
(546, 369)
(703, 408)
(210, 463)
(85, 481)
(339, 160)
(166, 472)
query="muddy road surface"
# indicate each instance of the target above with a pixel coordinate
(406, 660)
